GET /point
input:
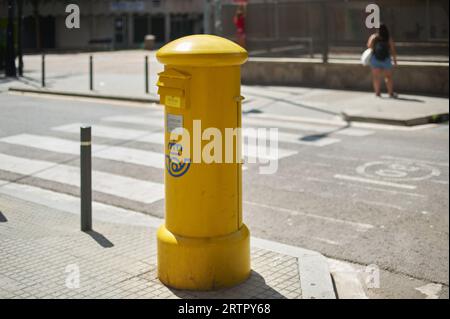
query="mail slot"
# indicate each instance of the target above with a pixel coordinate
(173, 88)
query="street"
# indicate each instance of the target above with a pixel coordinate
(361, 194)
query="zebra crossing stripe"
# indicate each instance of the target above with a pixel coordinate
(158, 138)
(312, 140)
(265, 153)
(22, 166)
(59, 145)
(118, 133)
(156, 120)
(254, 103)
(71, 204)
(121, 154)
(120, 186)
(105, 131)
(258, 120)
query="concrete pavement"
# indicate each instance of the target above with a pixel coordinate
(45, 255)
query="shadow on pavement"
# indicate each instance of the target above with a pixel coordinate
(30, 81)
(36, 82)
(100, 239)
(406, 99)
(254, 287)
(3, 218)
(287, 101)
(4, 79)
(316, 137)
(252, 111)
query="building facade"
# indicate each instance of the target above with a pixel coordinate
(119, 24)
(109, 23)
(416, 24)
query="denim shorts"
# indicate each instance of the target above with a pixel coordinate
(386, 64)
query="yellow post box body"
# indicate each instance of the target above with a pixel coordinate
(203, 244)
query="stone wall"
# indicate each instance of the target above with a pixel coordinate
(416, 78)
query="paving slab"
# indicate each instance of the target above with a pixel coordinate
(45, 255)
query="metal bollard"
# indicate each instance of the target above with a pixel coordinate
(91, 73)
(146, 75)
(43, 71)
(86, 178)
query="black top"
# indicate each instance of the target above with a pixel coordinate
(381, 49)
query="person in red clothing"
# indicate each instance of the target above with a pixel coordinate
(239, 22)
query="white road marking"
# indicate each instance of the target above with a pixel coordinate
(321, 164)
(398, 171)
(368, 202)
(108, 132)
(116, 153)
(151, 137)
(121, 186)
(22, 166)
(339, 122)
(308, 163)
(157, 121)
(158, 138)
(155, 138)
(71, 204)
(371, 181)
(390, 191)
(134, 156)
(255, 103)
(360, 226)
(296, 138)
(408, 159)
(342, 158)
(439, 182)
(265, 121)
(253, 150)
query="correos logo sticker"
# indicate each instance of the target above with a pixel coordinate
(176, 165)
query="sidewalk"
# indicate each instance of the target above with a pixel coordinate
(41, 249)
(120, 75)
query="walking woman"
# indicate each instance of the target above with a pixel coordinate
(239, 22)
(383, 54)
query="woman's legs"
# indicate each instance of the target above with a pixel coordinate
(376, 74)
(389, 81)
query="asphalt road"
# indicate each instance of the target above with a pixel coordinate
(360, 194)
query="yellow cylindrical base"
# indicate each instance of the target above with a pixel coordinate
(203, 263)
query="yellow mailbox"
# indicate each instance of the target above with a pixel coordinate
(203, 244)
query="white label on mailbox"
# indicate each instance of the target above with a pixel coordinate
(173, 121)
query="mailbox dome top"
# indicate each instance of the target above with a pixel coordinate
(202, 50)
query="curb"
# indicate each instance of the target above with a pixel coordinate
(349, 279)
(429, 119)
(87, 95)
(315, 276)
